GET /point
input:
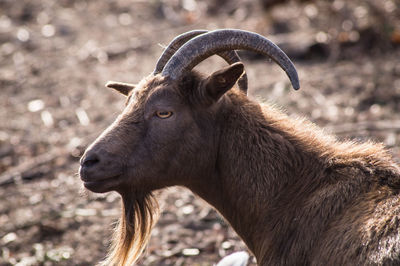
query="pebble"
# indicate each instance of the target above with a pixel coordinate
(35, 105)
(10, 237)
(191, 251)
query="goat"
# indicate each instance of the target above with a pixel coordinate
(295, 195)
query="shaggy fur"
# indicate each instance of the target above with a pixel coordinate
(294, 194)
(310, 200)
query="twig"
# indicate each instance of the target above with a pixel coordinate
(31, 168)
(39, 165)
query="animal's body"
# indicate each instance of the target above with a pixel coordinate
(318, 202)
(295, 195)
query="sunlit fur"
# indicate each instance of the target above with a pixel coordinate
(323, 201)
(292, 192)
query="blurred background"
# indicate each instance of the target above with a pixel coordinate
(56, 56)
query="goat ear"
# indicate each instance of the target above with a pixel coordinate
(223, 80)
(124, 88)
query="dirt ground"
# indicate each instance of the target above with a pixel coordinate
(56, 56)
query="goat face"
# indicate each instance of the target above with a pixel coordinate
(165, 136)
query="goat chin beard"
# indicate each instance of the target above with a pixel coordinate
(140, 211)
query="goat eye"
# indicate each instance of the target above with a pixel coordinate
(163, 114)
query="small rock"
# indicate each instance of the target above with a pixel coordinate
(191, 251)
(10, 237)
(35, 105)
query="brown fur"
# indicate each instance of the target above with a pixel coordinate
(295, 195)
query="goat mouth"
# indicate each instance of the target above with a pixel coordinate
(102, 185)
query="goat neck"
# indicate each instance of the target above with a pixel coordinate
(247, 143)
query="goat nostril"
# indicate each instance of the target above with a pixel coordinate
(90, 160)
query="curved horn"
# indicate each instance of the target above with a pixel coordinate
(230, 57)
(206, 45)
(173, 46)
